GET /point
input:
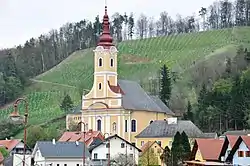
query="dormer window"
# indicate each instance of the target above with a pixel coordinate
(100, 62)
(111, 62)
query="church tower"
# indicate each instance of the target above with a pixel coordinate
(105, 90)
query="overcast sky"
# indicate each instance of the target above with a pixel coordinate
(22, 19)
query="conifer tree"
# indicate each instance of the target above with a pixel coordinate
(177, 149)
(165, 90)
(189, 114)
(186, 146)
(66, 104)
(166, 156)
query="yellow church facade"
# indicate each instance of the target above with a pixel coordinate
(116, 106)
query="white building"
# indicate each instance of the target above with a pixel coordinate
(55, 153)
(117, 148)
(238, 153)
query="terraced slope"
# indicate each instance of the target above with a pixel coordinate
(138, 60)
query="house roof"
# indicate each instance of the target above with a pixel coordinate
(75, 136)
(10, 144)
(135, 98)
(161, 128)
(61, 149)
(210, 149)
(237, 132)
(232, 139)
(210, 135)
(246, 140)
(109, 138)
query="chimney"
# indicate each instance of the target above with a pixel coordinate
(54, 141)
(77, 143)
(91, 130)
(6, 138)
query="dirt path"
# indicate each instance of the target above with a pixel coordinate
(47, 82)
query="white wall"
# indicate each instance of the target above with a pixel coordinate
(241, 160)
(115, 149)
(17, 160)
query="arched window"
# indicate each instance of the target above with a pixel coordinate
(99, 125)
(111, 62)
(151, 121)
(133, 126)
(114, 127)
(100, 62)
(100, 86)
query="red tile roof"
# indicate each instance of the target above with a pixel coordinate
(246, 140)
(10, 144)
(1, 157)
(75, 136)
(116, 89)
(210, 148)
(232, 139)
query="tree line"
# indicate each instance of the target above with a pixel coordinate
(38, 55)
(225, 106)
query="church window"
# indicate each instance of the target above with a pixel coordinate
(114, 127)
(100, 86)
(133, 126)
(100, 62)
(99, 125)
(111, 62)
(126, 125)
(151, 122)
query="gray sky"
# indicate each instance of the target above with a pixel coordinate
(22, 19)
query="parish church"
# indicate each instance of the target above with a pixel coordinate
(115, 106)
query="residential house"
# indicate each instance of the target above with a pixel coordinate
(163, 131)
(60, 153)
(206, 152)
(15, 146)
(240, 152)
(154, 147)
(229, 142)
(74, 117)
(112, 147)
(90, 136)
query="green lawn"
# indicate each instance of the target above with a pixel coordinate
(138, 60)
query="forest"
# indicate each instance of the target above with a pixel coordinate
(39, 54)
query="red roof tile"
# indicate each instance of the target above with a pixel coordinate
(210, 148)
(75, 136)
(10, 144)
(116, 89)
(246, 140)
(232, 139)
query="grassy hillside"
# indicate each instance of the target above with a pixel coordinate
(138, 60)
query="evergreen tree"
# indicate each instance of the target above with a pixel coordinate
(177, 149)
(66, 104)
(186, 146)
(166, 156)
(189, 114)
(165, 91)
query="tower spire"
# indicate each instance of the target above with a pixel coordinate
(105, 38)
